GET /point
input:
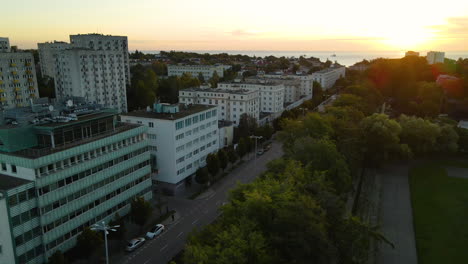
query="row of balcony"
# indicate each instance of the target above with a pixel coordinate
(15, 65)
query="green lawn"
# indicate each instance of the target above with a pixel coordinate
(440, 210)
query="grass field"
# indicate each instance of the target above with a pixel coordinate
(440, 209)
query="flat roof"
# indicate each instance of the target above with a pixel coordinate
(81, 119)
(184, 110)
(219, 90)
(9, 182)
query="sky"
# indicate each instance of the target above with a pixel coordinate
(303, 25)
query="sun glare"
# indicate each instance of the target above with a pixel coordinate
(408, 39)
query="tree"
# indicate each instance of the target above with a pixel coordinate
(201, 176)
(87, 242)
(187, 81)
(119, 234)
(447, 141)
(247, 126)
(419, 134)
(241, 148)
(223, 159)
(201, 78)
(212, 163)
(57, 258)
(232, 156)
(140, 211)
(265, 131)
(214, 80)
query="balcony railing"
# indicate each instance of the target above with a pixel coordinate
(12, 64)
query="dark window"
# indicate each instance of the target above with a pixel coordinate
(13, 168)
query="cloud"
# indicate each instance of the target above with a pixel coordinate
(456, 27)
(243, 33)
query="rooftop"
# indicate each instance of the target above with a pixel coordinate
(184, 110)
(219, 90)
(328, 70)
(9, 182)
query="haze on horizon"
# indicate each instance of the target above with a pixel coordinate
(303, 25)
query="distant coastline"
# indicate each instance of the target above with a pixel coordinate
(346, 58)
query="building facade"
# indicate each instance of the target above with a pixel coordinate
(206, 70)
(434, 57)
(411, 54)
(327, 77)
(101, 42)
(306, 82)
(231, 104)
(63, 169)
(180, 138)
(4, 45)
(96, 75)
(47, 51)
(18, 81)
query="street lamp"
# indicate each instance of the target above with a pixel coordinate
(104, 228)
(255, 160)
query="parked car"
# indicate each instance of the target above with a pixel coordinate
(155, 231)
(260, 152)
(134, 244)
(267, 147)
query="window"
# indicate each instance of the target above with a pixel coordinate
(180, 136)
(150, 124)
(13, 168)
(179, 125)
(4, 168)
(188, 122)
(195, 119)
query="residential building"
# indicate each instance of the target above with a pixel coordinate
(105, 43)
(206, 70)
(327, 77)
(226, 133)
(4, 45)
(65, 167)
(434, 57)
(305, 89)
(271, 94)
(18, 82)
(47, 51)
(97, 75)
(180, 138)
(231, 103)
(412, 54)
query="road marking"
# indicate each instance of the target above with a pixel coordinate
(146, 261)
(179, 234)
(163, 248)
(195, 221)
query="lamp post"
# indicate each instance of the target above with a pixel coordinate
(255, 160)
(105, 228)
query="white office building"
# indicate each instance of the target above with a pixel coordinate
(271, 94)
(47, 51)
(327, 77)
(305, 86)
(434, 57)
(206, 70)
(97, 75)
(105, 43)
(180, 138)
(231, 103)
(18, 82)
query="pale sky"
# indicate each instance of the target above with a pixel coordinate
(305, 25)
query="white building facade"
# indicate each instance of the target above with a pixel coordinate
(327, 77)
(434, 57)
(97, 75)
(105, 43)
(47, 51)
(271, 94)
(4, 45)
(206, 70)
(18, 81)
(180, 138)
(231, 104)
(305, 86)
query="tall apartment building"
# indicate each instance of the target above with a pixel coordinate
(327, 77)
(105, 43)
(206, 70)
(18, 82)
(271, 94)
(434, 57)
(65, 167)
(47, 51)
(96, 75)
(180, 138)
(231, 103)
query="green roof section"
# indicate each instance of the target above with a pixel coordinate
(17, 138)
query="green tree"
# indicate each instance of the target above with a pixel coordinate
(241, 148)
(447, 141)
(212, 164)
(140, 211)
(57, 258)
(214, 80)
(419, 134)
(201, 176)
(87, 242)
(223, 159)
(201, 78)
(187, 81)
(119, 234)
(232, 156)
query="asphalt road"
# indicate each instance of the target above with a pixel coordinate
(397, 218)
(198, 213)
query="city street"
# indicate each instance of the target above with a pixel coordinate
(197, 213)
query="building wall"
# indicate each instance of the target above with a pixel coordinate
(7, 254)
(98, 76)
(328, 77)
(435, 57)
(4, 45)
(271, 96)
(18, 82)
(206, 70)
(47, 51)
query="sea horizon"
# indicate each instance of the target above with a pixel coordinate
(346, 58)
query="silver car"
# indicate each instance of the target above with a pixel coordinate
(134, 244)
(155, 231)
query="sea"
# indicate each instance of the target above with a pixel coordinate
(346, 58)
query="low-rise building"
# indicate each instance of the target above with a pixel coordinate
(434, 57)
(180, 138)
(411, 54)
(231, 104)
(18, 81)
(305, 86)
(327, 77)
(206, 70)
(65, 167)
(226, 133)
